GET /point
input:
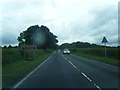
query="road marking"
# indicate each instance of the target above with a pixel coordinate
(62, 55)
(97, 87)
(70, 62)
(91, 81)
(83, 74)
(86, 77)
(73, 64)
(65, 58)
(30, 73)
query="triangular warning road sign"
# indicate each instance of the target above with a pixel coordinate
(104, 40)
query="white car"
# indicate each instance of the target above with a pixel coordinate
(66, 51)
(58, 49)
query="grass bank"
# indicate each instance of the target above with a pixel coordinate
(98, 55)
(15, 67)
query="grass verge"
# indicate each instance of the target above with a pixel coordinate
(100, 59)
(13, 71)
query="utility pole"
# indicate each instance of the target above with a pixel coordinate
(105, 41)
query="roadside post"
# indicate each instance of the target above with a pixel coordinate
(28, 48)
(105, 41)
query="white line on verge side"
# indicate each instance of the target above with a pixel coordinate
(31, 73)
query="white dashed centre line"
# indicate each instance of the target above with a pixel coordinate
(72, 64)
(83, 74)
(65, 58)
(86, 77)
(97, 87)
(91, 80)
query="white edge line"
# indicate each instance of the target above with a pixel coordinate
(30, 73)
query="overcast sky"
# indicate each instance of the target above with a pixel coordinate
(70, 20)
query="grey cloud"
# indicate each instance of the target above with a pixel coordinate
(102, 17)
(103, 24)
(9, 39)
(70, 23)
(106, 25)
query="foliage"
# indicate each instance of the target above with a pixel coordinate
(79, 45)
(5, 46)
(111, 52)
(9, 46)
(40, 36)
(10, 55)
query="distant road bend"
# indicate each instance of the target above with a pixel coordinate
(71, 71)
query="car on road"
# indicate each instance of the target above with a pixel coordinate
(66, 51)
(58, 49)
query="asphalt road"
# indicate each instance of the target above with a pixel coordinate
(70, 71)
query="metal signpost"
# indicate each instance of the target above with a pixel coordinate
(105, 41)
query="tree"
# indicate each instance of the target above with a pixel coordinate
(9, 46)
(5, 46)
(40, 36)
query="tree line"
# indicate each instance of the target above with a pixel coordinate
(43, 39)
(79, 44)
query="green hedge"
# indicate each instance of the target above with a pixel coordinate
(10, 55)
(111, 52)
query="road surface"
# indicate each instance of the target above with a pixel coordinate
(70, 71)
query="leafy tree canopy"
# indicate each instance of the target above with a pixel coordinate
(40, 36)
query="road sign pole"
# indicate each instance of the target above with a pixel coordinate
(105, 51)
(105, 41)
